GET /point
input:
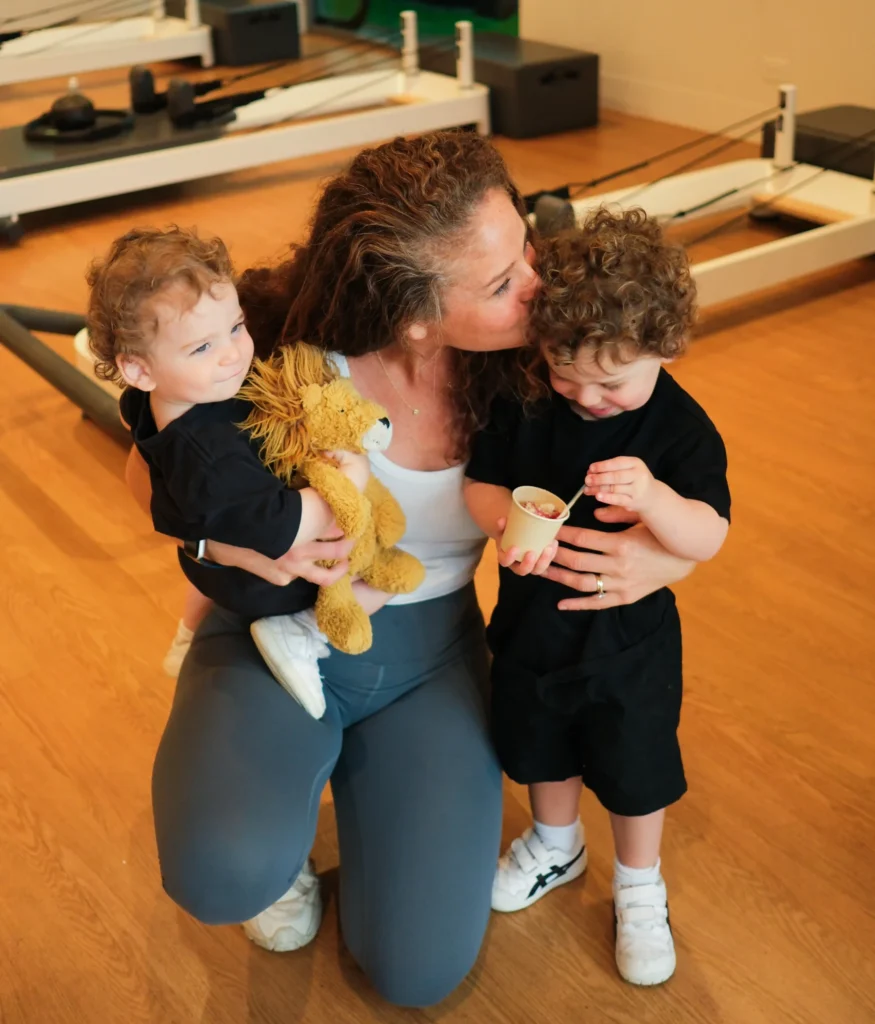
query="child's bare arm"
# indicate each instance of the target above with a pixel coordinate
(487, 504)
(685, 527)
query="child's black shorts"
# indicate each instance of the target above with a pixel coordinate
(613, 721)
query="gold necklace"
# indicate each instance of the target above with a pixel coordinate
(394, 388)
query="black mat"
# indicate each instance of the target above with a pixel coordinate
(19, 157)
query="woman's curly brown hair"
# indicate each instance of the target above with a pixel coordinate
(140, 265)
(376, 257)
(616, 287)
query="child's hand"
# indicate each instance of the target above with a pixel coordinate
(355, 467)
(622, 481)
(527, 563)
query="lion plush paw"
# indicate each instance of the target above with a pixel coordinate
(389, 521)
(394, 571)
(342, 619)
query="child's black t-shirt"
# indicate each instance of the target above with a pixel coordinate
(551, 446)
(207, 479)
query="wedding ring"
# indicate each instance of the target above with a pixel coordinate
(600, 586)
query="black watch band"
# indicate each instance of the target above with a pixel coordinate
(195, 549)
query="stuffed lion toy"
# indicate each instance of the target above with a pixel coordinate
(301, 412)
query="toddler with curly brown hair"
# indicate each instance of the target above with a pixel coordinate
(165, 322)
(593, 697)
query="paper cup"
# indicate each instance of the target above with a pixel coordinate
(527, 531)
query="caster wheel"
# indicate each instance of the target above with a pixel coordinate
(11, 230)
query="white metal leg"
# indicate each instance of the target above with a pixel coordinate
(192, 13)
(464, 54)
(785, 129)
(305, 16)
(410, 45)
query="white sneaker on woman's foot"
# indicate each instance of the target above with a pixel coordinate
(291, 646)
(291, 922)
(645, 947)
(529, 870)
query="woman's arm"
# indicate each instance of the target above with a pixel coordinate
(686, 527)
(300, 561)
(632, 564)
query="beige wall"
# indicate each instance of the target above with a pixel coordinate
(683, 62)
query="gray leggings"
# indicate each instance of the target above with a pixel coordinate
(417, 790)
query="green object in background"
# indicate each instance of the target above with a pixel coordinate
(432, 20)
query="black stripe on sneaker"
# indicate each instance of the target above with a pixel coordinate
(556, 871)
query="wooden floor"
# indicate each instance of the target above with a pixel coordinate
(769, 859)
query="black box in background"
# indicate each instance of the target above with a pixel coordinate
(837, 138)
(535, 88)
(248, 31)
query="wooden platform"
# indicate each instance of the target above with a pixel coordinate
(790, 206)
(769, 859)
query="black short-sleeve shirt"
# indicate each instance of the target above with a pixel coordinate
(551, 446)
(207, 479)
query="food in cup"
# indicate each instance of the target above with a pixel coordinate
(544, 509)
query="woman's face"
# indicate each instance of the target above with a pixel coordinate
(491, 281)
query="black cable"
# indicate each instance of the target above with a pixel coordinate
(261, 71)
(223, 83)
(855, 142)
(583, 186)
(41, 11)
(119, 6)
(224, 105)
(77, 12)
(380, 41)
(351, 58)
(716, 151)
(445, 46)
(98, 27)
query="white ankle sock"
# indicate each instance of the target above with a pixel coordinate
(560, 837)
(307, 619)
(184, 635)
(624, 876)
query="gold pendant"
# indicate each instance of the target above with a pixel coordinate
(416, 412)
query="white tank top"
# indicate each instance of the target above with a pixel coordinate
(440, 533)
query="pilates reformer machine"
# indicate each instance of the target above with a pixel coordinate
(47, 39)
(841, 205)
(75, 153)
